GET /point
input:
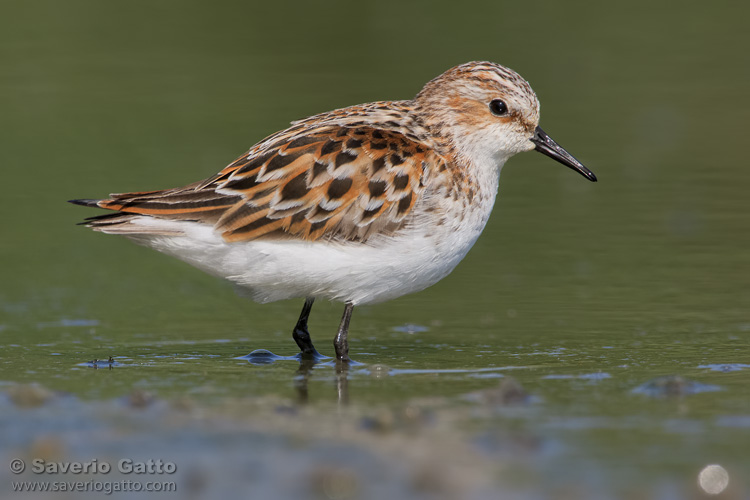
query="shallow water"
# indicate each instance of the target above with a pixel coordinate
(593, 344)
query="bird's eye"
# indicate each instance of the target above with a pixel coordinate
(498, 107)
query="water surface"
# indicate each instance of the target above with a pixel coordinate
(593, 344)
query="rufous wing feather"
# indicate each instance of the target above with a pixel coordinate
(305, 182)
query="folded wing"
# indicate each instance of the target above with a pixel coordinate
(309, 183)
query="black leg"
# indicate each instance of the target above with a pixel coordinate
(300, 333)
(341, 342)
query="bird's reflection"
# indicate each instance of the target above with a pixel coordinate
(342, 383)
(302, 378)
(307, 364)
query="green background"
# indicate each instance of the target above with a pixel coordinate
(586, 290)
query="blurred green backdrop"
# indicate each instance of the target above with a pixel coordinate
(106, 97)
(644, 273)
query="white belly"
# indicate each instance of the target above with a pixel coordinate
(383, 268)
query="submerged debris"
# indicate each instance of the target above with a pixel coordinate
(140, 399)
(508, 392)
(410, 328)
(410, 418)
(29, 395)
(379, 371)
(673, 386)
(333, 482)
(725, 367)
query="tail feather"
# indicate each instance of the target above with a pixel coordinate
(106, 219)
(157, 212)
(133, 224)
(85, 203)
(127, 223)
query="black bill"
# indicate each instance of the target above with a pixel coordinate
(546, 146)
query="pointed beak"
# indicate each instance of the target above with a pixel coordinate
(545, 145)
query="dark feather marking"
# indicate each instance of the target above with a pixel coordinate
(256, 224)
(404, 204)
(156, 205)
(305, 140)
(401, 181)
(339, 187)
(329, 147)
(140, 194)
(295, 188)
(260, 194)
(105, 219)
(353, 143)
(317, 226)
(243, 211)
(243, 183)
(319, 168)
(377, 188)
(319, 211)
(298, 217)
(378, 164)
(281, 161)
(345, 157)
(256, 162)
(369, 214)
